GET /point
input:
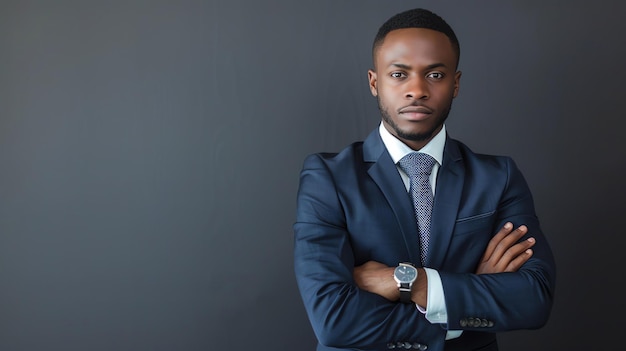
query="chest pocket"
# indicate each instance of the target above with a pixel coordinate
(482, 223)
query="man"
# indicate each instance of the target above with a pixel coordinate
(387, 259)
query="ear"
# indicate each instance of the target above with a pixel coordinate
(373, 82)
(457, 81)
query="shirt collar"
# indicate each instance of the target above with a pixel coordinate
(397, 149)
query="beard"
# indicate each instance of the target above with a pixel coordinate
(413, 136)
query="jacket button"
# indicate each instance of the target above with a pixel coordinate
(418, 346)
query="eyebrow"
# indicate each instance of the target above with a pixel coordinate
(407, 67)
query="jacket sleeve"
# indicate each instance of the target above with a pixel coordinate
(508, 301)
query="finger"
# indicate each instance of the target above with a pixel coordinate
(509, 241)
(515, 256)
(517, 249)
(504, 245)
(501, 260)
(493, 243)
(517, 263)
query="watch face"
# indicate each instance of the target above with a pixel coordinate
(405, 274)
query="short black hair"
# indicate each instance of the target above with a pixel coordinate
(416, 18)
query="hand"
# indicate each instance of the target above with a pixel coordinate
(504, 253)
(377, 278)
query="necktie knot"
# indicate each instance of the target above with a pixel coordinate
(416, 164)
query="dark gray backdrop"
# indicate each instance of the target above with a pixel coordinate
(150, 151)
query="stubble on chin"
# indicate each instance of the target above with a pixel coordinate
(398, 132)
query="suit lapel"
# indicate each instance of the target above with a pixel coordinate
(446, 204)
(385, 174)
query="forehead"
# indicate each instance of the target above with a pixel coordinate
(415, 44)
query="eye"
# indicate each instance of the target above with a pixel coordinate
(435, 75)
(397, 75)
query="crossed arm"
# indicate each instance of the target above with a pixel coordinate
(503, 254)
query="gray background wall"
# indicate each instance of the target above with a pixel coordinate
(150, 150)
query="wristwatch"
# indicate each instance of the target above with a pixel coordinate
(405, 274)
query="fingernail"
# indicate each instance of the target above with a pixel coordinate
(531, 240)
(508, 225)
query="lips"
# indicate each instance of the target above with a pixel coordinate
(415, 113)
(416, 109)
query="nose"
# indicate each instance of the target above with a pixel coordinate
(417, 89)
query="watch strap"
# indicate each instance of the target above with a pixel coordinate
(405, 292)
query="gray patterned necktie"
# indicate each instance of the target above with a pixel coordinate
(418, 166)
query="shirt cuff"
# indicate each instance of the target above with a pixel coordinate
(436, 311)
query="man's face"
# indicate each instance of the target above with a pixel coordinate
(415, 80)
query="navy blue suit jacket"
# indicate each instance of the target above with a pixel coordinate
(353, 207)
